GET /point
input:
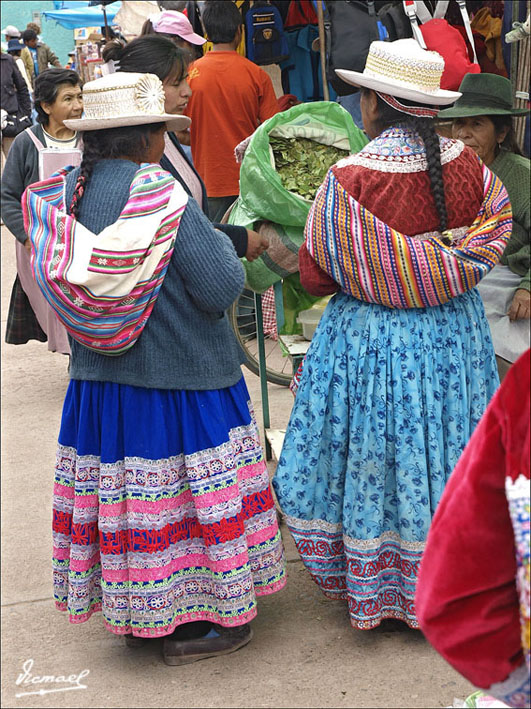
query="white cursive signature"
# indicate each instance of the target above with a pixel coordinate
(73, 681)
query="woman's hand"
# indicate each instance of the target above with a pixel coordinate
(256, 245)
(27, 245)
(521, 305)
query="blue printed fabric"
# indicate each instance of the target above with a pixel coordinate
(387, 401)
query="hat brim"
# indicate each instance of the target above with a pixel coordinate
(469, 111)
(173, 122)
(436, 98)
(193, 38)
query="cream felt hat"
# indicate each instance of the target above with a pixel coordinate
(404, 70)
(125, 99)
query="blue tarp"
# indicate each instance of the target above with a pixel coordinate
(83, 16)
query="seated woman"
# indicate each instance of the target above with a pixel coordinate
(482, 119)
(57, 98)
(160, 56)
(163, 514)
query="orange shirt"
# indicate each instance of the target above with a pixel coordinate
(231, 96)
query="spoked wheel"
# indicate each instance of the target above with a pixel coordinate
(242, 316)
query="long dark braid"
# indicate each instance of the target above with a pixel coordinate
(91, 155)
(128, 143)
(425, 128)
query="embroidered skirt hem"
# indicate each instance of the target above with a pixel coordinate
(163, 512)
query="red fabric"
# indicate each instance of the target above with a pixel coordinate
(300, 12)
(448, 42)
(231, 96)
(287, 101)
(466, 601)
(388, 196)
(487, 65)
(313, 278)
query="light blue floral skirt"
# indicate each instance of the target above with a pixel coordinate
(386, 403)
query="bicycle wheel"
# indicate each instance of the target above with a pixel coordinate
(242, 317)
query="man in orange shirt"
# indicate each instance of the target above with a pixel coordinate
(231, 96)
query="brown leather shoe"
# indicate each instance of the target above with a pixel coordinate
(182, 652)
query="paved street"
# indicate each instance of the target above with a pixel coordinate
(304, 652)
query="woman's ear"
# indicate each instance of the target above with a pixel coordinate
(502, 134)
(46, 107)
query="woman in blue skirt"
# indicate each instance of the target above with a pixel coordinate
(401, 366)
(163, 516)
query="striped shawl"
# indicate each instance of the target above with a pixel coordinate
(378, 264)
(103, 286)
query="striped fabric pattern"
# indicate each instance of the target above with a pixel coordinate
(103, 286)
(378, 264)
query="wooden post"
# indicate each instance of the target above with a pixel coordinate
(520, 77)
(322, 49)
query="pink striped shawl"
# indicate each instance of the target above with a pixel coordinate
(378, 264)
(103, 286)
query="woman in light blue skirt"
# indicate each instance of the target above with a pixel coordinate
(401, 366)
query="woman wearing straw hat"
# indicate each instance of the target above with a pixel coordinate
(163, 515)
(401, 366)
(483, 120)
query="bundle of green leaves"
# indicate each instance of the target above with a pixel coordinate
(302, 163)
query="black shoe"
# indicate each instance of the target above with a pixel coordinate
(226, 640)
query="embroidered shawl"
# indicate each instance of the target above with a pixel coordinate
(378, 264)
(103, 286)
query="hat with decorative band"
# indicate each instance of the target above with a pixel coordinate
(404, 70)
(484, 95)
(125, 99)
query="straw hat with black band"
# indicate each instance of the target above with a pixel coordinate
(484, 95)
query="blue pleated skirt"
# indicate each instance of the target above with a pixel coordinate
(387, 401)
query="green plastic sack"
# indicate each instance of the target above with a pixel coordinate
(262, 195)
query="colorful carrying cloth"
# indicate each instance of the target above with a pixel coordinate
(378, 264)
(103, 286)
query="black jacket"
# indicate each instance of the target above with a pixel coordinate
(14, 94)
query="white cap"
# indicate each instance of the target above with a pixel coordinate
(11, 31)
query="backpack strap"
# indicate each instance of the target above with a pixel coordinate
(468, 28)
(34, 138)
(440, 10)
(410, 8)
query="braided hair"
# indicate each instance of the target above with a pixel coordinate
(424, 127)
(129, 143)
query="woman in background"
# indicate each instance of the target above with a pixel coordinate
(483, 120)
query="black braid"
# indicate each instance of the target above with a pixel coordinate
(425, 128)
(128, 143)
(92, 154)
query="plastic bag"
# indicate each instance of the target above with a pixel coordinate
(262, 194)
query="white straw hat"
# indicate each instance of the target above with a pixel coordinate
(405, 70)
(125, 99)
